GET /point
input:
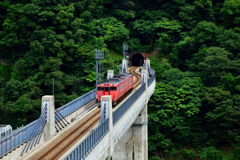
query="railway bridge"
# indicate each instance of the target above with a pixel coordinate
(83, 129)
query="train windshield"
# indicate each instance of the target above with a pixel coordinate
(113, 88)
(106, 88)
(100, 88)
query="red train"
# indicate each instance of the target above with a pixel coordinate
(116, 86)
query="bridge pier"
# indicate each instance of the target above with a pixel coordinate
(141, 135)
(134, 144)
(125, 148)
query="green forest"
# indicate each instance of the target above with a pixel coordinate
(195, 110)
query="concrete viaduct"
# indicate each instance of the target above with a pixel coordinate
(123, 135)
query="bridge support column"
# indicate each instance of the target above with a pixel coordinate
(141, 133)
(134, 144)
(124, 150)
(49, 130)
(110, 74)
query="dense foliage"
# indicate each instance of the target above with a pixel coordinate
(40, 41)
(195, 110)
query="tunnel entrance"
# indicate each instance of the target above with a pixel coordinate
(137, 59)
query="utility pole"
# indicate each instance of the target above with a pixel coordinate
(125, 48)
(98, 56)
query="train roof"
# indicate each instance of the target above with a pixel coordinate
(118, 78)
(123, 75)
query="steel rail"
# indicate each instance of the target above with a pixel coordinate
(66, 142)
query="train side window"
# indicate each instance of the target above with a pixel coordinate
(100, 88)
(113, 88)
(121, 87)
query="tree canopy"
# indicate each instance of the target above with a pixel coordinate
(194, 111)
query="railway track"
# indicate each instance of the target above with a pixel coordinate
(136, 83)
(137, 76)
(59, 146)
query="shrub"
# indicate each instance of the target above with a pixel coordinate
(173, 152)
(210, 153)
(189, 154)
(235, 154)
(155, 158)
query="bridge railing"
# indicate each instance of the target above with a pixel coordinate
(35, 137)
(16, 138)
(132, 99)
(121, 110)
(74, 105)
(22, 135)
(152, 78)
(84, 148)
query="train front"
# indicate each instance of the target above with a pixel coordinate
(107, 89)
